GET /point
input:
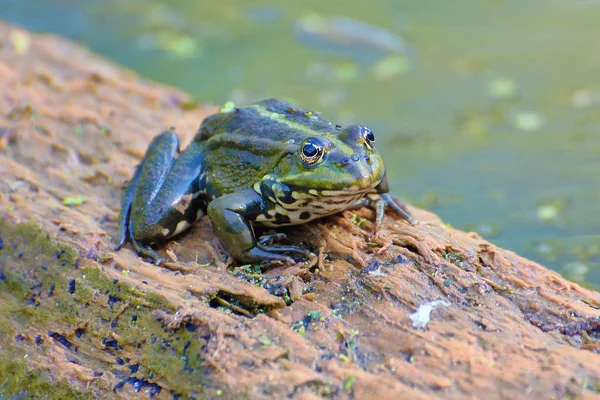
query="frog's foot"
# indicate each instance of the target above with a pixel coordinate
(380, 202)
(399, 207)
(275, 253)
(146, 251)
(268, 239)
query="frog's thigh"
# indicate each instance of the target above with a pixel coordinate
(155, 166)
(177, 203)
(156, 163)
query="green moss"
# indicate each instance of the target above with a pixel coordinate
(46, 290)
(16, 378)
(159, 301)
(40, 241)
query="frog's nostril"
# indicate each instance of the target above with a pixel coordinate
(355, 157)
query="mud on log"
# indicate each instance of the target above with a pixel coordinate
(98, 323)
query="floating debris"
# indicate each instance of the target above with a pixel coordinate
(390, 67)
(176, 44)
(488, 229)
(503, 88)
(545, 250)
(421, 317)
(528, 121)
(575, 271)
(354, 38)
(583, 99)
(548, 212)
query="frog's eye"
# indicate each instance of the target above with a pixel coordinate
(369, 137)
(311, 152)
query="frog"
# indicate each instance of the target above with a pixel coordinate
(261, 166)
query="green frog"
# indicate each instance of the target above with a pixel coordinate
(267, 164)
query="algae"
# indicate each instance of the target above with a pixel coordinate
(17, 380)
(51, 297)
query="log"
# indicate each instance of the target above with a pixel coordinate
(414, 311)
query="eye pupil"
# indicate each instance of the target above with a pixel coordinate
(310, 150)
(369, 137)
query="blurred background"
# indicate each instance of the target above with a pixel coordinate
(486, 112)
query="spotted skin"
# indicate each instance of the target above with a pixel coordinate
(298, 207)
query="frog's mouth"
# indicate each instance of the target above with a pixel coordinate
(321, 202)
(309, 205)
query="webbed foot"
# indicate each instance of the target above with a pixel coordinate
(275, 253)
(399, 207)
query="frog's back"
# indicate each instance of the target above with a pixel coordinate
(245, 144)
(274, 119)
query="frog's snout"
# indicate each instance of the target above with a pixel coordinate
(354, 158)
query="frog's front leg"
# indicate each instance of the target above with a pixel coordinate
(162, 199)
(231, 217)
(380, 199)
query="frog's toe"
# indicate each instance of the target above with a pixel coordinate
(293, 250)
(147, 252)
(276, 253)
(398, 206)
(121, 238)
(119, 244)
(262, 254)
(267, 240)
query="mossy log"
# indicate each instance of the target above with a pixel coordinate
(78, 319)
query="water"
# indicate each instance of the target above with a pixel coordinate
(486, 112)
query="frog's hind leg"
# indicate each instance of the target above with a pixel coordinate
(167, 198)
(157, 161)
(124, 228)
(142, 250)
(146, 183)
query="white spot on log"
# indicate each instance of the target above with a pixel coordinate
(421, 317)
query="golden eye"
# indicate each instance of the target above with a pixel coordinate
(369, 137)
(311, 152)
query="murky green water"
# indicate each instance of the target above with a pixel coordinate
(487, 112)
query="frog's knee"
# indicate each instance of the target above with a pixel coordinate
(149, 234)
(233, 230)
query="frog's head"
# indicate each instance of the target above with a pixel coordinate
(333, 163)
